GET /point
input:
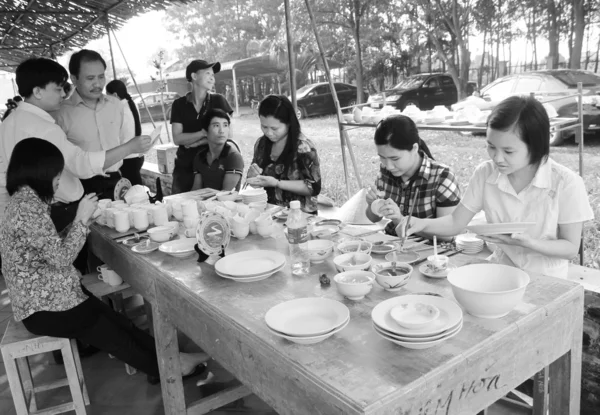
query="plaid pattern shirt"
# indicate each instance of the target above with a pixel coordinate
(437, 186)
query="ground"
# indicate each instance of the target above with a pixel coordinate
(461, 152)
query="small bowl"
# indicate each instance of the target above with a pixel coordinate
(324, 232)
(438, 263)
(488, 290)
(392, 282)
(354, 285)
(227, 196)
(414, 315)
(318, 250)
(354, 246)
(161, 233)
(362, 260)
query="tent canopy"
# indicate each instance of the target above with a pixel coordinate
(50, 27)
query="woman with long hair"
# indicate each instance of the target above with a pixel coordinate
(407, 166)
(37, 263)
(131, 123)
(285, 162)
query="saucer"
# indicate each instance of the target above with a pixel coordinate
(426, 270)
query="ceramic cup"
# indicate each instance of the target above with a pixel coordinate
(160, 215)
(438, 262)
(189, 209)
(121, 219)
(190, 222)
(239, 227)
(110, 217)
(108, 276)
(104, 203)
(140, 219)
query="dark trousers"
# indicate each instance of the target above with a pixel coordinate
(95, 323)
(63, 214)
(131, 169)
(104, 187)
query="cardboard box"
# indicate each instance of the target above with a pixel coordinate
(165, 157)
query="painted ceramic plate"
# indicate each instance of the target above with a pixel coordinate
(407, 257)
(384, 248)
(426, 270)
(212, 233)
(121, 188)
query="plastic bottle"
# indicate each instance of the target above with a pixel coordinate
(298, 239)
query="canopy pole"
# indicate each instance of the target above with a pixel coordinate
(580, 133)
(344, 139)
(235, 93)
(137, 88)
(112, 57)
(291, 55)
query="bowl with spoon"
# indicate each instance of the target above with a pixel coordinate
(392, 276)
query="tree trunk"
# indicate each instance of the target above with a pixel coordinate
(509, 65)
(534, 33)
(359, 68)
(597, 56)
(571, 29)
(429, 56)
(553, 37)
(481, 65)
(579, 12)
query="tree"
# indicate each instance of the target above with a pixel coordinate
(579, 29)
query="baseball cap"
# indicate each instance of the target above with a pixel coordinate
(199, 64)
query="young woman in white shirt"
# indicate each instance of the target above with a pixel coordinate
(521, 184)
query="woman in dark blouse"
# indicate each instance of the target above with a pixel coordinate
(285, 162)
(44, 287)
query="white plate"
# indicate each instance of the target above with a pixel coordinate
(450, 315)
(384, 248)
(425, 270)
(144, 249)
(443, 334)
(253, 192)
(311, 339)
(327, 229)
(179, 248)
(468, 239)
(253, 278)
(418, 345)
(250, 263)
(306, 317)
(408, 257)
(500, 228)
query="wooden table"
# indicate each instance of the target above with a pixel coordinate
(354, 371)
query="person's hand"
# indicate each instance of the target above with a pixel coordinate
(370, 196)
(390, 210)
(254, 171)
(200, 141)
(140, 144)
(262, 181)
(86, 208)
(518, 239)
(416, 225)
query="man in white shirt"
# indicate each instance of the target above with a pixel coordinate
(92, 120)
(40, 82)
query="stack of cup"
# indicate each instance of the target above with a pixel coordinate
(190, 215)
(160, 214)
(121, 221)
(110, 216)
(140, 219)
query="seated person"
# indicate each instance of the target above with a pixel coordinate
(407, 166)
(217, 165)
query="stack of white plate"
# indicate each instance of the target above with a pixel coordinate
(446, 325)
(254, 195)
(307, 320)
(469, 243)
(250, 266)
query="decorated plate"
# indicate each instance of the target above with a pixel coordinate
(407, 257)
(212, 233)
(121, 188)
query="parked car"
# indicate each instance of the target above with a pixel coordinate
(152, 100)
(316, 99)
(551, 84)
(424, 90)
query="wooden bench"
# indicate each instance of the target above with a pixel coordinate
(16, 346)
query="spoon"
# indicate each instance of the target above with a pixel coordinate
(393, 271)
(435, 251)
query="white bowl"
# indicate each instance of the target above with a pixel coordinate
(362, 261)
(179, 248)
(227, 196)
(311, 339)
(353, 246)
(161, 233)
(488, 290)
(390, 282)
(414, 315)
(318, 250)
(174, 224)
(354, 285)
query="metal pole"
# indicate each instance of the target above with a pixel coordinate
(345, 141)
(112, 57)
(291, 55)
(235, 93)
(135, 83)
(580, 132)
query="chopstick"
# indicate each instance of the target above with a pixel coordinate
(410, 213)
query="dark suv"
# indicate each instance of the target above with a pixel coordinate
(424, 90)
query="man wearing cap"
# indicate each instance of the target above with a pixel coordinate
(187, 115)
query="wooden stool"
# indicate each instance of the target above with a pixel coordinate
(17, 344)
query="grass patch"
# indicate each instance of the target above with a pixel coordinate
(461, 152)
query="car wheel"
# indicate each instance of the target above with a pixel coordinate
(300, 113)
(410, 102)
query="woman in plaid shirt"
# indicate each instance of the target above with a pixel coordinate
(407, 165)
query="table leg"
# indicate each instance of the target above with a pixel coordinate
(540, 392)
(167, 348)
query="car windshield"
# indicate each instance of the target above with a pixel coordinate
(303, 91)
(572, 77)
(412, 82)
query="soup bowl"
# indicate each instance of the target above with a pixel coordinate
(354, 285)
(384, 275)
(352, 262)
